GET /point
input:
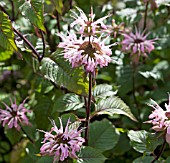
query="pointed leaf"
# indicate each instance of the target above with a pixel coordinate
(103, 90)
(67, 102)
(33, 10)
(143, 141)
(90, 155)
(64, 76)
(103, 135)
(6, 33)
(4, 55)
(113, 105)
(138, 140)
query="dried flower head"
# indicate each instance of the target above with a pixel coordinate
(14, 115)
(88, 26)
(160, 119)
(85, 52)
(62, 143)
(138, 45)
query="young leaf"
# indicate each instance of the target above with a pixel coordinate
(64, 76)
(138, 140)
(90, 155)
(6, 34)
(143, 141)
(103, 135)
(113, 105)
(67, 102)
(103, 90)
(33, 10)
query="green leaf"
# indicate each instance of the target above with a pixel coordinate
(4, 55)
(153, 140)
(45, 159)
(67, 102)
(33, 10)
(103, 135)
(90, 155)
(145, 159)
(63, 75)
(58, 5)
(143, 141)
(13, 135)
(113, 105)
(103, 90)
(6, 34)
(42, 111)
(167, 160)
(138, 140)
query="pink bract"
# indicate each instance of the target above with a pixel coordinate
(88, 26)
(160, 119)
(14, 115)
(62, 143)
(137, 44)
(85, 52)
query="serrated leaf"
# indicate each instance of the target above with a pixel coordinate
(67, 102)
(113, 105)
(33, 10)
(6, 33)
(90, 155)
(64, 76)
(103, 90)
(103, 135)
(143, 141)
(138, 140)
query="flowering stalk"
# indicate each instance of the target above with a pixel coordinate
(88, 110)
(160, 153)
(146, 14)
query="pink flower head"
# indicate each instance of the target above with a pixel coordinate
(62, 143)
(137, 44)
(14, 115)
(87, 24)
(86, 52)
(160, 119)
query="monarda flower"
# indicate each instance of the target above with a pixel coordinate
(88, 52)
(161, 119)
(138, 45)
(62, 143)
(88, 26)
(14, 115)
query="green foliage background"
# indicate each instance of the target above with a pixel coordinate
(117, 132)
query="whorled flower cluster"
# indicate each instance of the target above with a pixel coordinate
(137, 44)
(161, 119)
(14, 115)
(88, 26)
(87, 50)
(62, 143)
